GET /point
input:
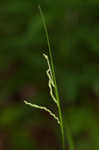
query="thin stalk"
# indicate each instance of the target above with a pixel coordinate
(54, 78)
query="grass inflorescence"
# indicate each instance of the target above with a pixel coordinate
(53, 89)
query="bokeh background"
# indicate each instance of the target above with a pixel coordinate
(74, 34)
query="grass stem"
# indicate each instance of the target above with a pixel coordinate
(54, 78)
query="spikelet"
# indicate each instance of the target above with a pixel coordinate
(51, 86)
(45, 109)
(50, 77)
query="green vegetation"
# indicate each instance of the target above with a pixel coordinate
(52, 84)
(73, 28)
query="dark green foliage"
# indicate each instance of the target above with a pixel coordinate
(74, 33)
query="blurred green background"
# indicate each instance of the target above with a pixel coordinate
(74, 34)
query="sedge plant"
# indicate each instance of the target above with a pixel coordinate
(53, 91)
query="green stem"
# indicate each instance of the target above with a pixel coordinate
(69, 137)
(54, 78)
(61, 118)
